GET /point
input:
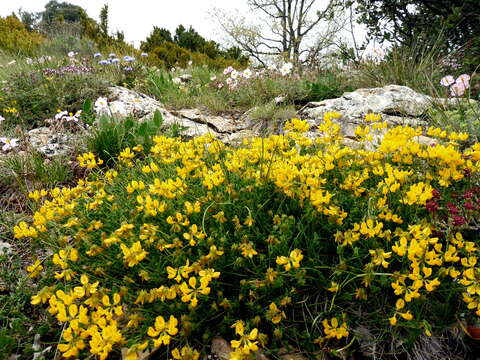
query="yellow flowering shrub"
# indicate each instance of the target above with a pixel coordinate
(285, 237)
(15, 38)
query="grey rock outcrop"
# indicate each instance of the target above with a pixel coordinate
(398, 105)
(49, 142)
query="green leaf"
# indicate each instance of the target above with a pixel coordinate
(103, 122)
(157, 118)
(143, 129)
(87, 106)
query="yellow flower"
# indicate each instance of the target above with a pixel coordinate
(379, 256)
(292, 261)
(274, 314)
(35, 269)
(332, 329)
(334, 287)
(209, 274)
(418, 194)
(103, 340)
(249, 221)
(360, 294)
(132, 256)
(186, 353)
(190, 291)
(247, 342)
(163, 331)
(248, 250)
(22, 230)
(297, 125)
(88, 160)
(372, 117)
(407, 315)
(42, 296)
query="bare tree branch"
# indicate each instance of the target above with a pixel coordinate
(282, 27)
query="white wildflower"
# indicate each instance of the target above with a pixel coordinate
(101, 106)
(286, 69)
(247, 73)
(8, 144)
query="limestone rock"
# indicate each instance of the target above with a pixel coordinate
(143, 107)
(50, 143)
(397, 105)
(217, 123)
(425, 140)
(132, 101)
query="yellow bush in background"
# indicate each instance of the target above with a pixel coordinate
(15, 38)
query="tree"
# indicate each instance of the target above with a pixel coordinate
(120, 36)
(104, 20)
(407, 22)
(283, 27)
(55, 11)
(189, 39)
(156, 38)
(29, 19)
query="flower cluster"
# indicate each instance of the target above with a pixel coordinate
(78, 69)
(65, 116)
(179, 244)
(235, 79)
(457, 86)
(112, 58)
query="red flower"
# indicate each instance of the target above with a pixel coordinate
(431, 206)
(452, 208)
(458, 220)
(469, 205)
(468, 194)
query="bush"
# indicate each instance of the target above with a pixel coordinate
(110, 136)
(16, 39)
(67, 37)
(328, 85)
(284, 240)
(416, 66)
(463, 118)
(171, 55)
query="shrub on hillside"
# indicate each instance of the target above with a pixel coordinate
(16, 39)
(283, 240)
(171, 55)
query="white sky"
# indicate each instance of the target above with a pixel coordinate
(137, 17)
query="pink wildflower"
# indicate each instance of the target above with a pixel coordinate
(464, 79)
(447, 80)
(457, 89)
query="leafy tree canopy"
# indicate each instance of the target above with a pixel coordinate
(403, 21)
(156, 38)
(55, 11)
